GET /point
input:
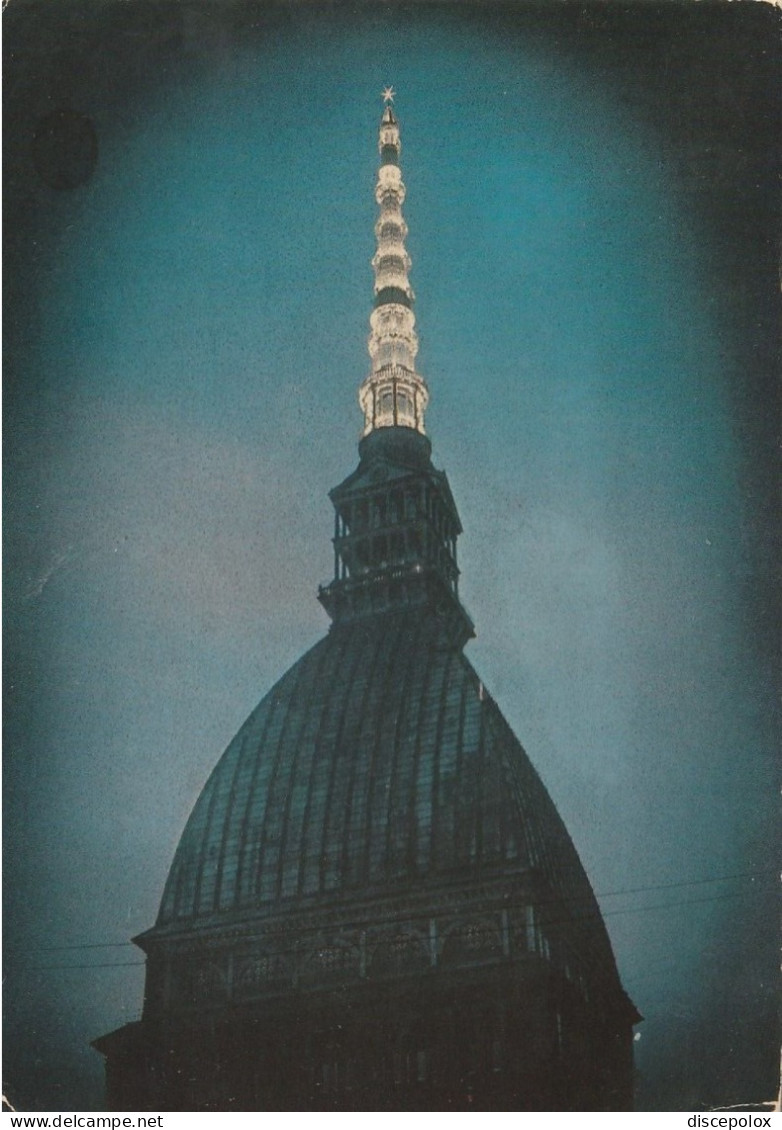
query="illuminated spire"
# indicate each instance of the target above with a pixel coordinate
(393, 394)
(395, 520)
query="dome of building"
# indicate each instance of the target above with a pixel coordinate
(378, 763)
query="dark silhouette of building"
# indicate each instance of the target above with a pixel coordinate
(375, 904)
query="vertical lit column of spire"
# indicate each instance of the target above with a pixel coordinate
(393, 394)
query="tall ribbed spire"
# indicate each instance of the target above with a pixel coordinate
(395, 520)
(394, 394)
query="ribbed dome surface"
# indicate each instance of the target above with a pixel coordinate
(376, 762)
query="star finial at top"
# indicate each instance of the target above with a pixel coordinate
(388, 94)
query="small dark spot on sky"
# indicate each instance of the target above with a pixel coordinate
(65, 149)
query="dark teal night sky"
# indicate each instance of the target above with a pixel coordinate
(593, 207)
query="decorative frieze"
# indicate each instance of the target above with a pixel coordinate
(311, 952)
